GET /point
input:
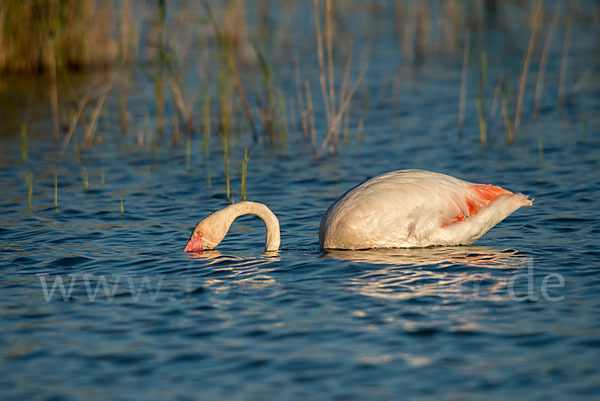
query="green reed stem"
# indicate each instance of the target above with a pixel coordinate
(244, 173)
(206, 132)
(483, 72)
(481, 116)
(360, 136)
(23, 142)
(158, 79)
(76, 154)
(480, 101)
(346, 130)
(226, 161)
(122, 207)
(84, 179)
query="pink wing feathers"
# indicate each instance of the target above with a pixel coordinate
(477, 196)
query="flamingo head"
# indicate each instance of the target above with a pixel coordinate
(194, 244)
(207, 234)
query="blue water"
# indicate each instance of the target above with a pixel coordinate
(514, 316)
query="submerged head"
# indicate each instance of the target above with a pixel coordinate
(207, 234)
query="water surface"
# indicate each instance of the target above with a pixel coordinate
(514, 315)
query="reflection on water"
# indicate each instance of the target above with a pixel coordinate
(476, 256)
(252, 272)
(473, 272)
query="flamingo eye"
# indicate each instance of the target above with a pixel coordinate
(199, 234)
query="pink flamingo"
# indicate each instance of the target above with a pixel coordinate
(400, 209)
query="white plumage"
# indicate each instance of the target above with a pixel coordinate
(415, 208)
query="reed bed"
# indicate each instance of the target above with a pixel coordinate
(218, 70)
(45, 35)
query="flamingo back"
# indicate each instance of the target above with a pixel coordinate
(415, 208)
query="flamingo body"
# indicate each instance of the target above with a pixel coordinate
(415, 208)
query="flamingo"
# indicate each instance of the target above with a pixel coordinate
(399, 209)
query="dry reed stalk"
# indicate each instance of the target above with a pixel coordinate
(311, 116)
(182, 43)
(188, 119)
(581, 82)
(234, 24)
(563, 65)
(360, 135)
(334, 112)
(128, 35)
(267, 111)
(480, 101)
(29, 180)
(523, 77)
(161, 63)
(175, 137)
(303, 113)
(463, 83)
(346, 129)
(227, 52)
(497, 95)
(507, 124)
(204, 58)
(84, 179)
(76, 154)
(543, 62)
(334, 128)
(160, 101)
(282, 118)
(72, 125)
(421, 33)
(124, 115)
(226, 162)
(345, 81)
(23, 134)
(242, 94)
(335, 123)
(53, 88)
(206, 106)
(451, 21)
(329, 41)
(293, 121)
(138, 135)
(90, 131)
(322, 66)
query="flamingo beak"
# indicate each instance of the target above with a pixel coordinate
(194, 244)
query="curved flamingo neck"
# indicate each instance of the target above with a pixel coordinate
(264, 213)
